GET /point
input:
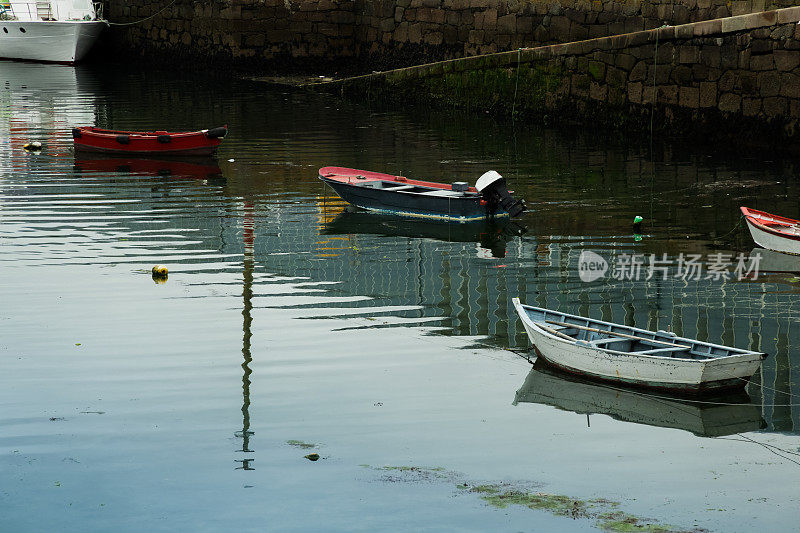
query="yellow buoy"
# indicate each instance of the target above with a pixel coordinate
(160, 273)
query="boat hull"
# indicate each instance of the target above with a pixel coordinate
(96, 140)
(48, 41)
(677, 375)
(773, 240)
(464, 209)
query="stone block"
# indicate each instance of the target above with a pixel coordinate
(579, 85)
(761, 62)
(775, 106)
(596, 69)
(490, 19)
(730, 103)
(728, 80)
(769, 84)
(401, 34)
(450, 35)
(639, 72)
(734, 24)
(688, 54)
(684, 32)
(668, 94)
(786, 60)
(748, 84)
(707, 94)
(635, 93)
(682, 75)
(760, 20)
(790, 85)
(524, 25)
(761, 46)
(708, 27)
(625, 61)
(415, 33)
(616, 77)
(507, 24)
(598, 91)
(386, 26)
(700, 72)
(710, 56)
(751, 107)
(689, 97)
(791, 14)
(743, 61)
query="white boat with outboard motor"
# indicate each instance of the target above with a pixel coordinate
(631, 356)
(54, 31)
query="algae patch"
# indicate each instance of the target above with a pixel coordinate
(603, 512)
(556, 504)
(406, 474)
(599, 510)
(300, 444)
(623, 522)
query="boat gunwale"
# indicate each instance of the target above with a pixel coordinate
(111, 134)
(469, 195)
(708, 359)
(380, 176)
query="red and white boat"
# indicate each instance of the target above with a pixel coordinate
(203, 142)
(773, 232)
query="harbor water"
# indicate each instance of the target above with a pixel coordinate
(290, 326)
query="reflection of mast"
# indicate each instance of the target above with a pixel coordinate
(247, 297)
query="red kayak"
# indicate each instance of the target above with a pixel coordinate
(204, 142)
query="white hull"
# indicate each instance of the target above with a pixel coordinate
(771, 241)
(639, 368)
(52, 41)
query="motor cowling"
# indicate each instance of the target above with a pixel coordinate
(494, 190)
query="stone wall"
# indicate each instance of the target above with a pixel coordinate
(251, 32)
(382, 33)
(736, 77)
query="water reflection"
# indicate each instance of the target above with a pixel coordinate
(722, 415)
(204, 168)
(97, 212)
(247, 334)
(490, 237)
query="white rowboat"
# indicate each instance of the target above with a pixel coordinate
(632, 356)
(773, 232)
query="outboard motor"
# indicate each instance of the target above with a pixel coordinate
(494, 190)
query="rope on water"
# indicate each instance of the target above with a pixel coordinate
(144, 19)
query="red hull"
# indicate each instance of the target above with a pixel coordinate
(204, 142)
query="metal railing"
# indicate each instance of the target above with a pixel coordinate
(33, 10)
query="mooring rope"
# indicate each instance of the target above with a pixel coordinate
(738, 223)
(144, 19)
(516, 86)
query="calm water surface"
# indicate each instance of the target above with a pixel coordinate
(129, 405)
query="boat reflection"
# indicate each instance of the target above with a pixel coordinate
(770, 261)
(205, 168)
(491, 236)
(722, 415)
